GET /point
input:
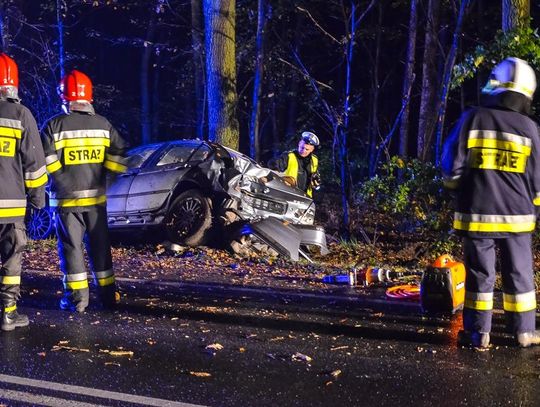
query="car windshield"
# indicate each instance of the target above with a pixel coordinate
(138, 156)
(182, 152)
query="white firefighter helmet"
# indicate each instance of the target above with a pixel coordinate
(512, 74)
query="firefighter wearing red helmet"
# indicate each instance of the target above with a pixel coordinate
(22, 169)
(492, 162)
(80, 147)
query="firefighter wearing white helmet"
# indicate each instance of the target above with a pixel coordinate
(492, 162)
(301, 165)
(22, 169)
(80, 147)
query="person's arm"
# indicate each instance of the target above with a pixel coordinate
(533, 166)
(52, 160)
(115, 157)
(454, 156)
(33, 161)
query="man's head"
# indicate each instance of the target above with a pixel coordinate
(9, 78)
(511, 75)
(307, 143)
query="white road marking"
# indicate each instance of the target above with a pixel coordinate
(91, 392)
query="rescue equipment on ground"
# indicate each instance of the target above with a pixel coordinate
(442, 288)
(405, 291)
(371, 275)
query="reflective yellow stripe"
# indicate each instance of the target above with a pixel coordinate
(106, 281)
(494, 227)
(55, 166)
(34, 183)
(9, 132)
(79, 201)
(81, 142)
(114, 166)
(519, 302)
(11, 280)
(500, 160)
(76, 285)
(10, 309)
(12, 212)
(479, 305)
(499, 144)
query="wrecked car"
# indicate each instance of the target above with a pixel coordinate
(196, 190)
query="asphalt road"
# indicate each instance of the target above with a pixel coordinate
(178, 344)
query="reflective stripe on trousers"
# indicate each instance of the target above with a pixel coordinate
(517, 277)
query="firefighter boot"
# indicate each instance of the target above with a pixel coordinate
(109, 296)
(11, 319)
(76, 300)
(526, 339)
(473, 339)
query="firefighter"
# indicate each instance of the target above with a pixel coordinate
(22, 168)
(491, 161)
(301, 165)
(80, 146)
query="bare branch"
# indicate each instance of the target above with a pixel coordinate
(303, 10)
(304, 74)
(361, 17)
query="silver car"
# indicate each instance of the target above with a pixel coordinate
(196, 189)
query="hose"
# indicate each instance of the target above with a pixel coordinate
(405, 291)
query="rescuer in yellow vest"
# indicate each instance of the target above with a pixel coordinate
(301, 165)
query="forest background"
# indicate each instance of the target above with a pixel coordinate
(379, 81)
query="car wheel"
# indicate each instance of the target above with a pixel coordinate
(39, 223)
(189, 219)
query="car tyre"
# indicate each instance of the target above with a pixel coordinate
(189, 219)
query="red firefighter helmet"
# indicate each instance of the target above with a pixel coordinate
(75, 86)
(9, 74)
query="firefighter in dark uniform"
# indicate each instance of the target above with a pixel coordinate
(492, 161)
(301, 165)
(80, 146)
(22, 168)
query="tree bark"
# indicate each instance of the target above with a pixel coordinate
(147, 51)
(4, 27)
(254, 136)
(197, 45)
(449, 65)
(408, 79)
(375, 129)
(515, 14)
(60, 7)
(428, 100)
(220, 39)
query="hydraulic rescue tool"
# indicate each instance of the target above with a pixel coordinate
(442, 288)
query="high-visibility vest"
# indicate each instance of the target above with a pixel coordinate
(292, 170)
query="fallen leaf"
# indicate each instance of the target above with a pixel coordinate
(214, 346)
(200, 374)
(301, 357)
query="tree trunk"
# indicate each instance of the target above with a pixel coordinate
(408, 79)
(375, 130)
(220, 21)
(515, 14)
(4, 27)
(449, 65)
(60, 7)
(156, 98)
(197, 45)
(254, 136)
(146, 119)
(428, 100)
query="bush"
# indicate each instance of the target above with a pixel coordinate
(410, 192)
